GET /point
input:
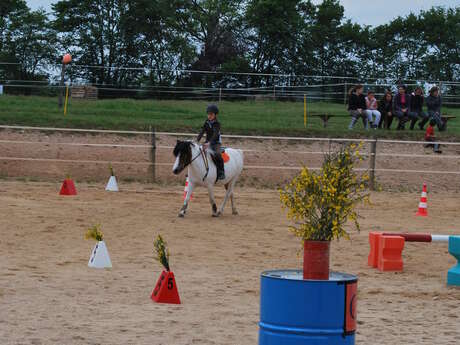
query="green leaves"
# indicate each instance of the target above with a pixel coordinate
(321, 204)
(161, 251)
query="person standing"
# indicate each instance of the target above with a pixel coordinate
(429, 136)
(357, 106)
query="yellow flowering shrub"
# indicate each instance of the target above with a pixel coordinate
(162, 253)
(94, 232)
(320, 204)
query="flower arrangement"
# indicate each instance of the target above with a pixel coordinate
(94, 232)
(162, 252)
(320, 204)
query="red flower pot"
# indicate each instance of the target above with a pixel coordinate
(316, 260)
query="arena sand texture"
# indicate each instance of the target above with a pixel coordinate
(48, 295)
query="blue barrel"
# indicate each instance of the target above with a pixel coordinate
(295, 311)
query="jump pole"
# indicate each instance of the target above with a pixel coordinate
(419, 237)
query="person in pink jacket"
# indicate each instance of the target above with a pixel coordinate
(373, 115)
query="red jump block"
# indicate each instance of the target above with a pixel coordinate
(390, 253)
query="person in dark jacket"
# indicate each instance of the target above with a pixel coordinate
(416, 108)
(212, 129)
(433, 104)
(386, 109)
(357, 106)
(401, 106)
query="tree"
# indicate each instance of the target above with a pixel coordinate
(26, 39)
(274, 42)
(216, 28)
(93, 30)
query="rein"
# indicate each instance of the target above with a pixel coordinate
(205, 160)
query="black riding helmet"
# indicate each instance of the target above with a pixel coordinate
(212, 108)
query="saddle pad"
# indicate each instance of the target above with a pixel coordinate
(225, 157)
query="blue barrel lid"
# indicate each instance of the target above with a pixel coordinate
(298, 275)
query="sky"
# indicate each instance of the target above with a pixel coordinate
(363, 12)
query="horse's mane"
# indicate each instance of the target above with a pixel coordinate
(182, 146)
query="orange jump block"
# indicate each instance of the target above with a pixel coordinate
(373, 258)
(390, 253)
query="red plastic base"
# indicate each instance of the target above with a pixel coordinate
(166, 289)
(68, 187)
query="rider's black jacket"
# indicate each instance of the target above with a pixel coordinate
(212, 130)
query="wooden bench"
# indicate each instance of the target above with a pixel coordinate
(324, 117)
(445, 118)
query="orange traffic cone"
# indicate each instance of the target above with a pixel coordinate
(186, 188)
(422, 207)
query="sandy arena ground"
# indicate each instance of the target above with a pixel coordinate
(48, 295)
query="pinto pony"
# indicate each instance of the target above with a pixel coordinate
(202, 171)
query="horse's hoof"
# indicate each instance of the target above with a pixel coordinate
(217, 214)
(181, 215)
(235, 212)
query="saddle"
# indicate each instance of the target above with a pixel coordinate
(224, 155)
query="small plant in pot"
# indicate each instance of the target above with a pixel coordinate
(320, 204)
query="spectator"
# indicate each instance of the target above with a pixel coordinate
(401, 106)
(386, 110)
(416, 105)
(357, 105)
(371, 110)
(433, 103)
(429, 136)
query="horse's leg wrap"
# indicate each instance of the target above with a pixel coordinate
(183, 209)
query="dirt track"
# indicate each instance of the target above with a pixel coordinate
(48, 295)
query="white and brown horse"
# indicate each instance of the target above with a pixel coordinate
(202, 171)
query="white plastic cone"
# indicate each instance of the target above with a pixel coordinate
(112, 185)
(100, 256)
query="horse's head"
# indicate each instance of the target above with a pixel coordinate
(183, 153)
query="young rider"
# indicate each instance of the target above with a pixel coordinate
(212, 129)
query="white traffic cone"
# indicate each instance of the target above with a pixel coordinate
(112, 185)
(100, 256)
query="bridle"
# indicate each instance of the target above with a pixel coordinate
(205, 160)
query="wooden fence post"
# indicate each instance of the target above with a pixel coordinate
(153, 153)
(373, 150)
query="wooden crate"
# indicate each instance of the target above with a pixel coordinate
(84, 92)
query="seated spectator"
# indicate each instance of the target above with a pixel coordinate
(357, 105)
(401, 106)
(433, 103)
(429, 136)
(416, 105)
(373, 115)
(386, 110)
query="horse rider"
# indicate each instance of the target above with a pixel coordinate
(212, 129)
